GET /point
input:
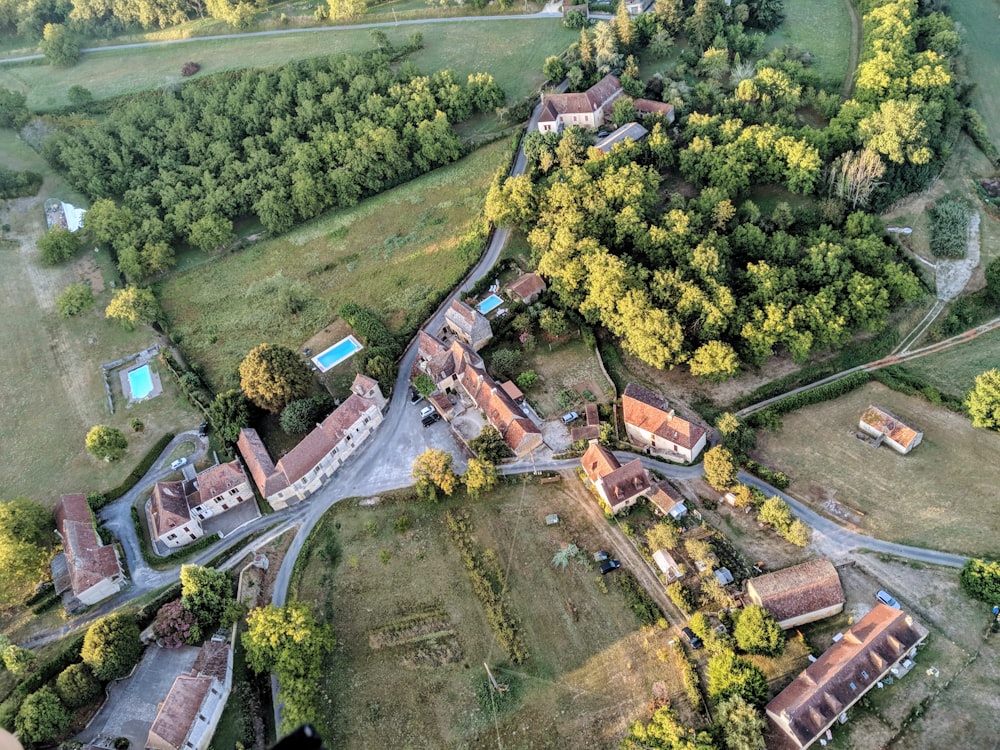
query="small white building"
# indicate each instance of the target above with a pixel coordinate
(667, 565)
(886, 427)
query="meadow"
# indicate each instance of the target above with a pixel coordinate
(391, 684)
(954, 370)
(980, 31)
(392, 252)
(933, 497)
(820, 27)
(50, 379)
(512, 50)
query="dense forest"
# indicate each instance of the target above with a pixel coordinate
(282, 145)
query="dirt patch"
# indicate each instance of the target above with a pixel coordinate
(90, 273)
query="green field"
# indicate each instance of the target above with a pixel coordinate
(512, 50)
(980, 30)
(954, 370)
(51, 385)
(820, 27)
(393, 686)
(391, 253)
(931, 497)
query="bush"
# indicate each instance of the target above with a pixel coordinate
(18, 184)
(302, 415)
(682, 596)
(981, 580)
(77, 686)
(949, 228)
(776, 479)
(189, 69)
(69, 655)
(504, 362)
(58, 245)
(111, 646)
(646, 610)
(42, 717)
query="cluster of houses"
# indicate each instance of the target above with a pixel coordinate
(592, 108)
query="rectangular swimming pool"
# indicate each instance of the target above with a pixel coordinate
(140, 382)
(337, 353)
(490, 303)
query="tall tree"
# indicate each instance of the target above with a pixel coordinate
(898, 130)
(106, 443)
(775, 512)
(742, 725)
(42, 717)
(13, 108)
(77, 686)
(730, 675)
(59, 45)
(26, 520)
(112, 646)
(208, 594)
(287, 640)
(132, 305)
(272, 376)
(670, 13)
(981, 580)
(229, 413)
(720, 468)
(480, 476)
(757, 632)
(983, 401)
(432, 471)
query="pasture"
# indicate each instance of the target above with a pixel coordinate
(391, 252)
(981, 52)
(513, 51)
(954, 370)
(932, 497)
(50, 377)
(820, 27)
(412, 636)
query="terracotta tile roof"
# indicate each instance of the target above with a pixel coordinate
(890, 425)
(87, 560)
(649, 411)
(259, 463)
(597, 96)
(588, 432)
(527, 285)
(441, 402)
(428, 346)
(363, 384)
(844, 673)
(798, 590)
(511, 390)
(219, 479)
(664, 497)
(170, 507)
(313, 448)
(179, 710)
(598, 462)
(648, 106)
(625, 483)
(212, 660)
(632, 130)
(519, 432)
(593, 416)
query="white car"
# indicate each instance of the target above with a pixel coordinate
(567, 418)
(178, 463)
(426, 411)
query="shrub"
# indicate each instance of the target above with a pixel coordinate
(58, 245)
(504, 362)
(981, 580)
(776, 479)
(77, 685)
(949, 228)
(42, 717)
(111, 647)
(646, 610)
(106, 443)
(175, 625)
(682, 597)
(18, 184)
(189, 69)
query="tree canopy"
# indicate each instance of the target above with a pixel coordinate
(273, 376)
(757, 632)
(983, 401)
(720, 468)
(42, 717)
(77, 685)
(229, 413)
(208, 594)
(480, 476)
(58, 245)
(432, 471)
(131, 305)
(730, 675)
(981, 580)
(112, 647)
(26, 539)
(106, 443)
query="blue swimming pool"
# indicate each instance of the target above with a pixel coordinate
(140, 382)
(490, 303)
(337, 353)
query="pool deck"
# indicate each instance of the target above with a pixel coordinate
(134, 362)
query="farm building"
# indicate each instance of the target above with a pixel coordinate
(887, 428)
(799, 594)
(86, 571)
(629, 131)
(667, 501)
(882, 641)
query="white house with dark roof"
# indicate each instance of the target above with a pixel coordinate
(619, 486)
(588, 109)
(651, 423)
(304, 469)
(86, 571)
(178, 508)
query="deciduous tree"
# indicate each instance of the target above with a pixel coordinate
(757, 632)
(112, 647)
(730, 675)
(13, 108)
(207, 593)
(720, 468)
(106, 443)
(131, 305)
(59, 45)
(741, 724)
(272, 376)
(715, 361)
(424, 384)
(287, 640)
(58, 245)
(75, 299)
(490, 446)
(18, 661)
(981, 580)
(664, 731)
(983, 401)
(480, 476)
(663, 536)
(775, 512)
(77, 686)
(432, 472)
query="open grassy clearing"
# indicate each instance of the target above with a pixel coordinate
(50, 381)
(513, 51)
(954, 370)
(588, 676)
(981, 51)
(390, 252)
(820, 27)
(932, 497)
(570, 366)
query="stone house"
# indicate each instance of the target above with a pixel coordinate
(86, 571)
(799, 594)
(583, 110)
(651, 424)
(619, 486)
(178, 508)
(468, 325)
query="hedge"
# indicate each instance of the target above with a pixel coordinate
(911, 384)
(369, 326)
(98, 500)
(646, 610)
(50, 669)
(774, 478)
(190, 383)
(814, 396)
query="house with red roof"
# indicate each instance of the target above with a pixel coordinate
(527, 287)
(188, 716)
(178, 508)
(799, 594)
(653, 425)
(458, 367)
(304, 469)
(619, 486)
(882, 642)
(588, 109)
(650, 107)
(86, 571)
(887, 428)
(667, 501)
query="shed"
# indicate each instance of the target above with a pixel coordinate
(723, 576)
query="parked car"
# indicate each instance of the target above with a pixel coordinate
(430, 419)
(569, 417)
(415, 396)
(179, 463)
(426, 411)
(693, 640)
(608, 565)
(886, 598)
(601, 556)
(203, 429)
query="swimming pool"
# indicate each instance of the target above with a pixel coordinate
(490, 303)
(337, 353)
(140, 382)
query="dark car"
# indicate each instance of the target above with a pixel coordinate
(691, 638)
(430, 419)
(415, 396)
(608, 565)
(203, 429)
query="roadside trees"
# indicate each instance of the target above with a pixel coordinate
(432, 472)
(25, 541)
(981, 580)
(273, 376)
(720, 468)
(106, 443)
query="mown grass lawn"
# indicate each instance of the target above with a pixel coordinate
(820, 27)
(588, 677)
(932, 497)
(390, 253)
(513, 51)
(954, 370)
